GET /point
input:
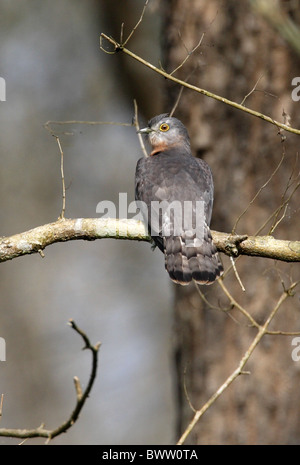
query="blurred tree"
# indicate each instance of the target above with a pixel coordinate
(239, 48)
(137, 81)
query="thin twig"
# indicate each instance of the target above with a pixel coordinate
(62, 214)
(137, 127)
(274, 226)
(180, 93)
(251, 91)
(177, 101)
(276, 212)
(48, 124)
(236, 304)
(189, 53)
(1, 404)
(215, 307)
(203, 297)
(186, 393)
(257, 193)
(137, 24)
(78, 388)
(81, 397)
(284, 203)
(236, 274)
(120, 47)
(239, 370)
(121, 33)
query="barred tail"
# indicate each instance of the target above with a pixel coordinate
(187, 258)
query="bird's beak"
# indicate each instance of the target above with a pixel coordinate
(144, 131)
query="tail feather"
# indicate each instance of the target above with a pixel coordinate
(192, 259)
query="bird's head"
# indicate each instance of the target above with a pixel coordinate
(165, 132)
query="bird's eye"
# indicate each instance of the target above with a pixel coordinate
(164, 127)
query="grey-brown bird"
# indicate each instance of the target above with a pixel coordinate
(175, 193)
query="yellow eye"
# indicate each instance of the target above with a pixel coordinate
(164, 127)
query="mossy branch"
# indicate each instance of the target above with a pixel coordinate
(37, 239)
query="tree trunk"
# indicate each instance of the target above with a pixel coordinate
(239, 47)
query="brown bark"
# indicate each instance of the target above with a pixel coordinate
(239, 46)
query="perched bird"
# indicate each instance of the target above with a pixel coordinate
(174, 191)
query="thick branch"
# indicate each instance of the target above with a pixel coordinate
(37, 239)
(257, 246)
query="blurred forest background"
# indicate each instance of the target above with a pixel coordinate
(117, 291)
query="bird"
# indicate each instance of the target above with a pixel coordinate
(174, 191)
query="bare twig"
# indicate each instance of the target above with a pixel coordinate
(122, 44)
(251, 91)
(48, 125)
(235, 304)
(177, 101)
(209, 304)
(119, 47)
(180, 93)
(285, 202)
(215, 307)
(275, 214)
(257, 193)
(236, 274)
(1, 404)
(137, 127)
(274, 225)
(62, 214)
(78, 388)
(186, 392)
(137, 24)
(189, 53)
(80, 396)
(262, 330)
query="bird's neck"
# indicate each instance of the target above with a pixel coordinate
(183, 148)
